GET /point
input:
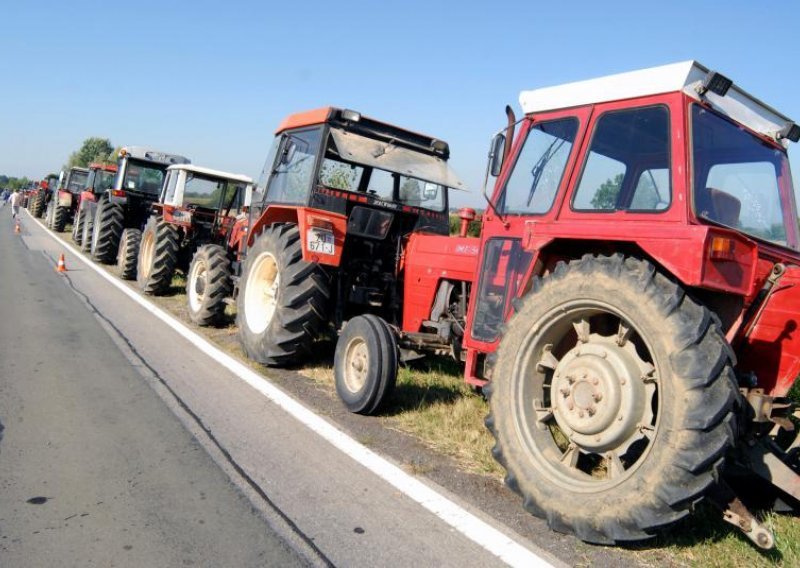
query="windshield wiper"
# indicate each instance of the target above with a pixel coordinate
(538, 168)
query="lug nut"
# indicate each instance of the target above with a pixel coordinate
(565, 391)
(591, 410)
(580, 414)
(598, 396)
(595, 381)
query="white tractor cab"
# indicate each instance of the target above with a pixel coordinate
(200, 210)
(126, 205)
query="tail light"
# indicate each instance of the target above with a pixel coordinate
(118, 193)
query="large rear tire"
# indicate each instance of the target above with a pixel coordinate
(281, 306)
(37, 210)
(612, 400)
(158, 256)
(87, 225)
(365, 364)
(128, 254)
(49, 214)
(107, 230)
(60, 218)
(208, 285)
(77, 225)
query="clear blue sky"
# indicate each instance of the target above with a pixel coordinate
(211, 80)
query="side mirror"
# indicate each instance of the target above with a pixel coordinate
(496, 154)
(288, 152)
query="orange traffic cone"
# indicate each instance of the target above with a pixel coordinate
(16, 228)
(61, 267)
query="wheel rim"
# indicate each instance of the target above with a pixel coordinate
(146, 253)
(261, 294)
(587, 396)
(356, 363)
(198, 280)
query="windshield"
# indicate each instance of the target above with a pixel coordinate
(206, 191)
(346, 169)
(532, 186)
(740, 181)
(77, 181)
(103, 180)
(144, 177)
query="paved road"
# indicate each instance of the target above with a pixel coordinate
(148, 452)
(95, 470)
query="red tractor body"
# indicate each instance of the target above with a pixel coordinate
(635, 310)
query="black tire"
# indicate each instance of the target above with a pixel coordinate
(77, 225)
(87, 225)
(107, 230)
(158, 255)
(365, 364)
(60, 218)
(128, 254)
(37, 210)
(49, 213)
(585, 463)
(284, 334)
(208, 285)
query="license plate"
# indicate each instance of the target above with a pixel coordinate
(320, 240)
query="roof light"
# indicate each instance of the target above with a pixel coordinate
(351, 115)
(715, 82)
(790, 130)
(439, 146)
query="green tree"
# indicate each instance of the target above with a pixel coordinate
(606, 195)
(93, 149)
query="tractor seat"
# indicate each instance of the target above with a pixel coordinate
(720, 206)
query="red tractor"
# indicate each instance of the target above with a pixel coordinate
(63, 199)
(37, 201)
(100, 179)
(635, 306)
(126, 204)
(352, 228)
(197, 211)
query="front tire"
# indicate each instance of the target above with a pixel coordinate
(365, 364)
(208, 285)
(612, 400)
(128, 254)
(38, 204)
(107, 230)
(158, 256)
(281, 307)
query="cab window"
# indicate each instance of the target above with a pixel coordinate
(628, 164)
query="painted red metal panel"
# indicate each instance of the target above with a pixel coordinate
(428, 260)
(772, 350)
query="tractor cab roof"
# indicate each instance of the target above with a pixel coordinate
(79, 169)
(354, 121)
(211, 173)
(104, 167)
(151, 155)
(689, 77)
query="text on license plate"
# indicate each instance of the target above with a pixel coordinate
(320, 240)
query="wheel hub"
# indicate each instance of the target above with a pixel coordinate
(598, 394)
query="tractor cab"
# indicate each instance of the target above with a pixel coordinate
(141, 173)
(202, 199)
(100, 178)
(357, 188)
(76, 180)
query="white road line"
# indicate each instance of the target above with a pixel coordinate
(478, 531)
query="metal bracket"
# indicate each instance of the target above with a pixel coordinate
(735, 513)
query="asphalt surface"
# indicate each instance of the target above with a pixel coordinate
(126, 445)
(95, 470)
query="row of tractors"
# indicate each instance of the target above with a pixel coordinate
(630, 308)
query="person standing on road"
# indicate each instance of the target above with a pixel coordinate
(15, 199)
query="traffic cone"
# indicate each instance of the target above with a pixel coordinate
(61, 267)
(16, 228)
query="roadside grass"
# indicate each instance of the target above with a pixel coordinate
(432, 403)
